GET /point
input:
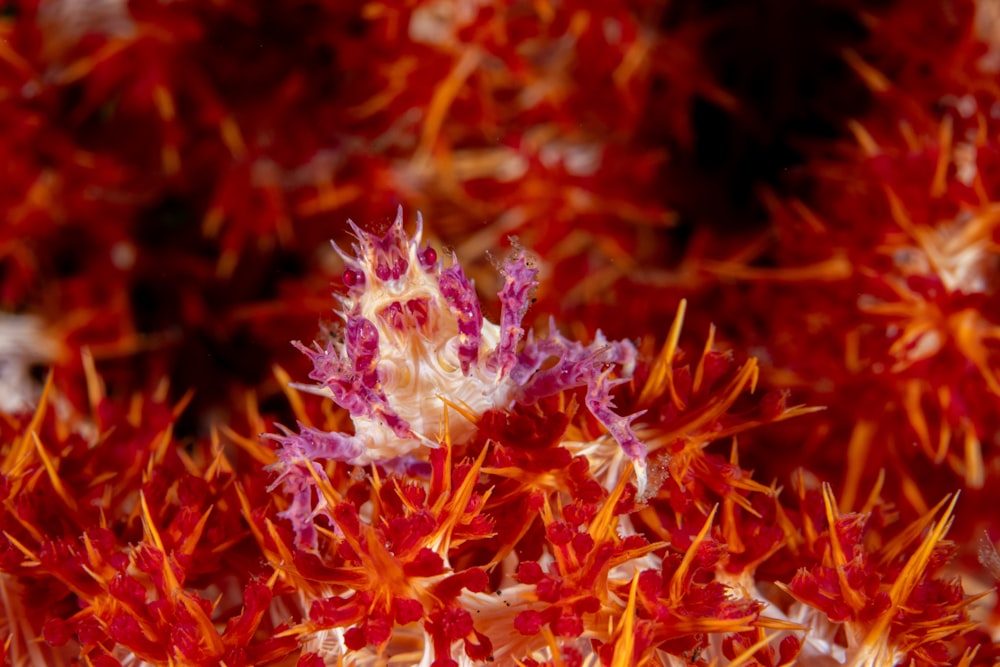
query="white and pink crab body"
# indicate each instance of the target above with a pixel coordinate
(415, 347)
(416, 357)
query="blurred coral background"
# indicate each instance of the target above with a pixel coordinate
(814, 185)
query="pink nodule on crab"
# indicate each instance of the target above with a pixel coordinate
(415, 357)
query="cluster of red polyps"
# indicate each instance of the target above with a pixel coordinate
(462, 483)
(546, 518)
(468, 499)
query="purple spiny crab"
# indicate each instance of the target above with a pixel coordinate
(416, 356)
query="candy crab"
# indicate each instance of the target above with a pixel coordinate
(415, 363)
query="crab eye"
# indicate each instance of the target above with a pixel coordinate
(428, 257)
(353, 278)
